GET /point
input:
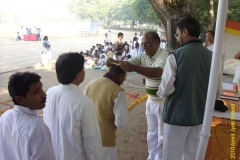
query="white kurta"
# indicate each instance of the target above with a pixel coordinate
(121, 117)
(72, 120)
(23, 136)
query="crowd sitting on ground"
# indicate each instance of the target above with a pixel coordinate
(97, 55)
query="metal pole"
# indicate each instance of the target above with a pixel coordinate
(214, 77)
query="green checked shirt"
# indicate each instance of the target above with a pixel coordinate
(158, 60)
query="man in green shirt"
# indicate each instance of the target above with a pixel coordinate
(150, 64)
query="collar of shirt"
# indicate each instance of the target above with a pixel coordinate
(26, 110)
(72, 86)
(191, 41)
(152, 59)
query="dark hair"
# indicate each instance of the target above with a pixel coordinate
(189, 23)
(120, 34)
(45, 37)
(116, 69)
(68, 65)
(19, 84)
(135, 38)
(154, 35)
(212, 32)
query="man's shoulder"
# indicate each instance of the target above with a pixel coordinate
(54, 88)
(95, 81)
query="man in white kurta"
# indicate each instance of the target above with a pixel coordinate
(71, 116)
(23, 135)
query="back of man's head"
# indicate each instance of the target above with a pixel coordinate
(116, 70)
(68, 65)
(19, 84)
(189, 23)
(120, 34)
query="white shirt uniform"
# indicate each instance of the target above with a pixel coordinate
(105, 40)
(23, 136)
(121, 117)
(72, 120)
(210, 47)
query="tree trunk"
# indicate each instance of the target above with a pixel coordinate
(170, 10)
(211, 12)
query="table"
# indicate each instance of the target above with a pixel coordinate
(33, 37)
(26, 37)
(30, 37)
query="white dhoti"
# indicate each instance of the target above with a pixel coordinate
(44, 59)
(46, 56)
(155, 129)
(181, 142)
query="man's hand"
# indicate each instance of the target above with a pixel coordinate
(237, 56)
(126, 66)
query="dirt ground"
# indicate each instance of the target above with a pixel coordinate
(131, 140)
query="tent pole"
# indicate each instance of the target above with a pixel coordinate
(214, 78)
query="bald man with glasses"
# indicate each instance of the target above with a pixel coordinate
(150, 64)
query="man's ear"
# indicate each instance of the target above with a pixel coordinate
(185, 32)
(20, 100)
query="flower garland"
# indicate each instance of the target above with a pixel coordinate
(8, 100)
(10, 106)
(138, 100)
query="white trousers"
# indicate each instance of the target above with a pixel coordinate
(181, 142)
(155, 129)
(110, 153)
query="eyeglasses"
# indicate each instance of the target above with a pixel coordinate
(145, 44)
(176, 36)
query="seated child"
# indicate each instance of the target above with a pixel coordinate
(101, 62)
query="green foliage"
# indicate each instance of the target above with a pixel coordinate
(202, 11)
(143, 11)
(234, 10)
(109, 10)
(93, 10)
